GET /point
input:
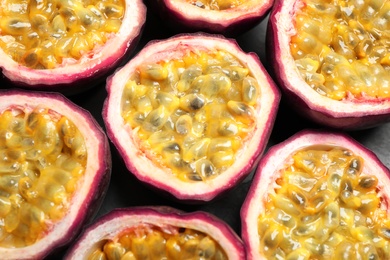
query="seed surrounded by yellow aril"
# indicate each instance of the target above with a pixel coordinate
(318, 196)
(45, 171)
(157, 233)
(212, 106)
(342, 49)
(331, 58)
(189, 112)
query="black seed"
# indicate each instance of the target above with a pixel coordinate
(172, 147)
(196, 103)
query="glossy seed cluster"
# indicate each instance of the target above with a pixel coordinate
(149, 242)
(323, 207)
(342, 48)
(216, 4)
(193, 113)
(43, 34)
(42, 158)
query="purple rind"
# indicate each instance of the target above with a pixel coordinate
(230, 25)
(99, 185)
(85, 77)
(170, 216)
(313, 109)
(274, 159)
(120, 135)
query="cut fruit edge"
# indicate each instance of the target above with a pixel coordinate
(126, 142)
(115, 222)
(275, 160)
(89, 196)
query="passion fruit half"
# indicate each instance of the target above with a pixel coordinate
(332, 59)
(191, 115)
(66, 45)
(157, 233)
(54, 170)
(318, 195)
(227, 17)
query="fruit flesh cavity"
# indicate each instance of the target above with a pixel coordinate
(193, 113)
(341, 48)
(42, 158)
(151, 242)
(216, 4)
(324, 207)
(46, 34)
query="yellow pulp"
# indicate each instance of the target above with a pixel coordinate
(42, 158)
(149, 242)
(216, 4)
(342, 48)
(44, 34)
(323, 207)
(192, 113)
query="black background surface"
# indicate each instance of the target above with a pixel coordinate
(126, 191)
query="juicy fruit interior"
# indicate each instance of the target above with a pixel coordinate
(342, 47)
(42, 160)
(192, 114)
(151, 242)
(216, 4)
(324, 207)
(43, 34)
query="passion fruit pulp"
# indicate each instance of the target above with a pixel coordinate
(55, 167)
(66, 45)
(157, 233)
(331, 59)
(191, 115)
(227, 17)
(318, 195)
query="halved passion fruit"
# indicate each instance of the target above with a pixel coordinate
(53, 44)
(191, 115)
(54, 169)
(227, 17)
(332, 58)
(318, 196)
(158, 233)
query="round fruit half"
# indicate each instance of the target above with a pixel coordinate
(54, 170)
(332, 59)
(318, 195)
(191, 115)
(53, 45)
(157, 233)
(227, 17)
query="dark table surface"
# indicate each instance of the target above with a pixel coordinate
(126, 191)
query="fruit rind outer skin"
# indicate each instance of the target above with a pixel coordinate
(123, 138)
(274, 160)
(113, 223)
(89, 196)
(183, 17)
(345, 115)
(71, 79)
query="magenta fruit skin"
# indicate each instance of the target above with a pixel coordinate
(81, 76)
(89, 203)
(273, 161)
(183, 17)
(323, 111)
(125, 218)
(146, 172)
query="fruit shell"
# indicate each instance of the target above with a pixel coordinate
(183, 17)
(88, 197)
(349, 114)
(274, 160)
(73, 78)
(123, 137)
(118, 220)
